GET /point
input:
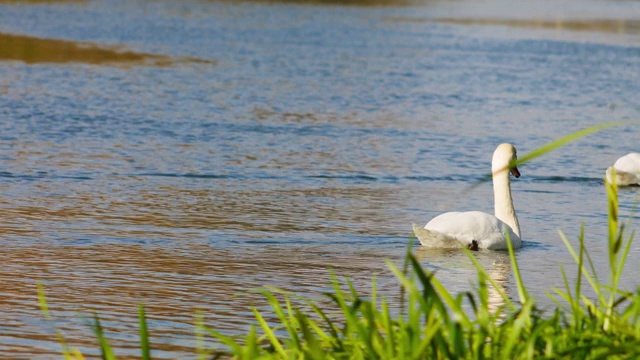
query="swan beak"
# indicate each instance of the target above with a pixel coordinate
(515, 172)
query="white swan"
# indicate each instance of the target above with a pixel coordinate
(627, 170)
(476, 229)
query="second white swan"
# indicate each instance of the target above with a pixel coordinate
(475, 229)
(627, 170)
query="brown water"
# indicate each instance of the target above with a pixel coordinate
(182, 154)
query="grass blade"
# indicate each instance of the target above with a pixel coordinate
(105, 348)
(553, 145)
(270, 334)
(522, 290)
(235, 347)
(145, 348)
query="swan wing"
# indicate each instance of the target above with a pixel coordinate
(627, 170)
(434, 239)
(624, 178)
(464, 227)
(629, 163)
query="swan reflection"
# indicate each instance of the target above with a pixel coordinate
(457, 272)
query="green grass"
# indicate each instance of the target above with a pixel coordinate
(434, 323)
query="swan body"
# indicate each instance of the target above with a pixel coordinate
(476, 229)
(627, 170)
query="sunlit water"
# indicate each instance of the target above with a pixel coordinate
(237, 145)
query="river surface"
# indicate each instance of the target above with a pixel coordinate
(180, 154)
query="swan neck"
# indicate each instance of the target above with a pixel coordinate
(503, 202)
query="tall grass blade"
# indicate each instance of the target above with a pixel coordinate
(74, 354)
(625, 254)
(522, 290)
(389, 328)
(270, 334)
(314, 349)
(517, 327)
(553, 145)
(145, 348)
(251, 347)
(578, 292)
(615, 240)
(592, 280)
(486, 277)
(571, 138)
(105, 348)
(453, 304)
(287, 322)
(430, 298)
(67, 353)
(405, 269)
(232, 344)
(201, 352)
(42, 300)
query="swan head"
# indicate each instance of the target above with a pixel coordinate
(504, 158)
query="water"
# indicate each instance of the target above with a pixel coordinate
(180, 154)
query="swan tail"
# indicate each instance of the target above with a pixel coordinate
(622, 178)
(431, 238)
